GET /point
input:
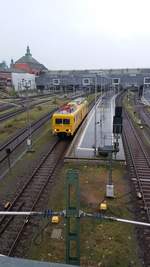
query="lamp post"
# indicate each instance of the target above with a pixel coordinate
(101, 112)
(19, 86)
(95, 128)
(27, 84)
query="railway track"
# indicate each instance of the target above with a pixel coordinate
(143, 127)
(145, 117)
(11, 114)
(18, 139)
(21, 136)
(4, 107)
(144, 113)
(138, 162)
(12, 228)
(22, 109)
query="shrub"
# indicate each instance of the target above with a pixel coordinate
(9, 125)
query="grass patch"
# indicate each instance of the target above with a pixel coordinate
(24, 165)
(91, 97)
(103, 243)
(20, 120)
(8, 110)
(129, 105)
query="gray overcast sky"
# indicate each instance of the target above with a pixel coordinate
(77, 34)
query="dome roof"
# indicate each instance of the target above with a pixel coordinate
(28, 59)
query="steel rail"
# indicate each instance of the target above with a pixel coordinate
(33, 206)
(22, 135)
(39, 188)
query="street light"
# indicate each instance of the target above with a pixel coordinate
(19, 87)
(27, 84)
(101, 110)
(74, 85)
(95, 133)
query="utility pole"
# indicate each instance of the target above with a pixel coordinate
(27, 84)
(95, 128)
(110, 187)
(101, 109)
(72, 218)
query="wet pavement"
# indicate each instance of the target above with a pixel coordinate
(85, 146)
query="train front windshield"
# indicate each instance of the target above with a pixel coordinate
(66, 121)
(62, 121)
(58, 121)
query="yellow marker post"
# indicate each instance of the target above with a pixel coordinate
(55, 219)
(103, 206)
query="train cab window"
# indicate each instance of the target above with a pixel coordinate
(66, 121)
(58, 121)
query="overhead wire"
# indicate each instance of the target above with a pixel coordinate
(49, 213)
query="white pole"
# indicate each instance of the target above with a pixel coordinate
(63, 213)
(95, 133)
(22, 213)
(29, 141)
(127, 221)
(101, 112)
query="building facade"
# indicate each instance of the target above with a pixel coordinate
(17, 81)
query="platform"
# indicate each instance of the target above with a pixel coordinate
(83, 145)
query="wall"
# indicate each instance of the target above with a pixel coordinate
(17, 80)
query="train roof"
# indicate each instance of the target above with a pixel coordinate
(78, 100)
(71, 107)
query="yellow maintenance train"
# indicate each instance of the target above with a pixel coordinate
(67, 119)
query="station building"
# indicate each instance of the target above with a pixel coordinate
(71, 80)
(24, 68)
(5, 78)
(12, 78)
(67, 80)
(52, 80)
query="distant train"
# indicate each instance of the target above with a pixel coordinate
(67, 119)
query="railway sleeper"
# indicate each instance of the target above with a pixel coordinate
(145, 183)
(146, 192)
(145, 170)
